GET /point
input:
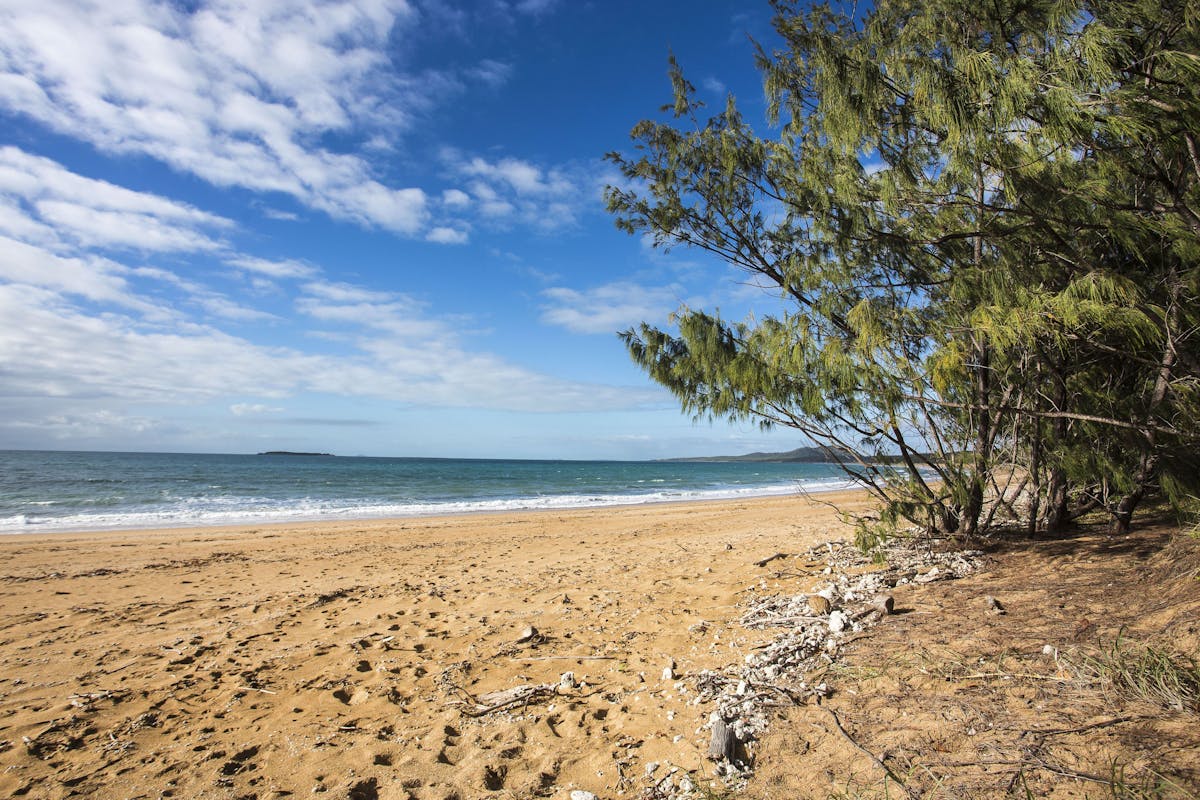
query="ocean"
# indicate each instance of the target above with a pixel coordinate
(42, 491)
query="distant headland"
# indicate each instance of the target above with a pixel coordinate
(291, 453)
(801, 455)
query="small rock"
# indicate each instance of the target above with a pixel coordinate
(993, 605)
(884, 604)
(527, 634)
(651, 768)
(567, 680)
(579, 794)
(819, 605)
(837, 622)
(929, 577)
(668, 673)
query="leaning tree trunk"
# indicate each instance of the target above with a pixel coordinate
(1148, 464)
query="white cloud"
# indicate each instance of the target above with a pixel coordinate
(236, 92)
(510, 190)
(244, 409)
(90, 277)
(535, 6)
(57, 204)
(275, 213)
(223, 307)
(345, 293)
(493, 73)
(523, 177)
(610, 308)
(456, 198)
(52, 350)
(287, 268)
(447, 236)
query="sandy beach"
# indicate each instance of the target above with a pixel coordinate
(274, 661)
(367, 660)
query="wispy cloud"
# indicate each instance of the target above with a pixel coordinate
(275, 269)
(491, 72)
(58, 207)
(609, 308)
(88, 277)
(512, 190)
(58, 223)
(236, 92)
(83, 330)
(244, 409)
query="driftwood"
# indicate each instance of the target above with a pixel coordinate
(564, 658)
(764, 561)
(724, 744)
(521, 695)
(774, 621)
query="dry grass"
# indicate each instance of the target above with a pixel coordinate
(1148, 672)
(959, 702)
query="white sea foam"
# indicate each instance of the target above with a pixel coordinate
(201, 512)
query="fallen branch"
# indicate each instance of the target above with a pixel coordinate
(770, 622)
(1082, 728)
(1035, 763)
(564, 658)
(498, 701)
(763, 562)
(875, 759)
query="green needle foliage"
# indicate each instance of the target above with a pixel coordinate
(997, 319)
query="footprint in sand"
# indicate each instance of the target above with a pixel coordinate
(448, 753)
(494, 776)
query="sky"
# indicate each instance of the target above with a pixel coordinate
(366, 227)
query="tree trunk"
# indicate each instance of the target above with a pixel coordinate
(1148, 465)
(1035, 481)
(1058, 510)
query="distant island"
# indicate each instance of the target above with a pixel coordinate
(291, 453)
(801, 455)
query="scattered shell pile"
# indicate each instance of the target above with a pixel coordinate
(814, 628)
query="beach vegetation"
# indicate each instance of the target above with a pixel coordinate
(982, 226)
(1147, 671)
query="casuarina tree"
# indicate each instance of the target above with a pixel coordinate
(982, 223)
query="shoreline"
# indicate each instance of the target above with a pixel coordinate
(351, 519)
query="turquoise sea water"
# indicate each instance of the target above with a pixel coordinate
(59, 491)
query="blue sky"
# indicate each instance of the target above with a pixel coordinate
(369, 227)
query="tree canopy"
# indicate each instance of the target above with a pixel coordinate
(984, 222)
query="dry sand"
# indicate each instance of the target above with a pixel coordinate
(274, 661)
(338, 660)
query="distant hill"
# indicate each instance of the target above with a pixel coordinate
(291, 453)
(801, 455)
